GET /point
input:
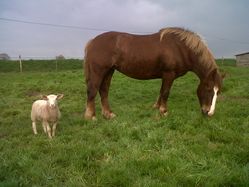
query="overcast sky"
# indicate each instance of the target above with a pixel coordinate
(223, 23)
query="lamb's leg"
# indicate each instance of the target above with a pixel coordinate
(44, 128)
(48, 129)
(34, 127)
(54, 128)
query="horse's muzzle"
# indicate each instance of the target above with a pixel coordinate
(204, 112)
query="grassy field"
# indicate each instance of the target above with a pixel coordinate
(137, 148)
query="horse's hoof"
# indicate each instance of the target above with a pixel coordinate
(165, 114)
(156, 106)
(112, 115)
(163, 111)
(93, 118)
(109, 115)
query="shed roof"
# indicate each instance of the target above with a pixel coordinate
(242, 54)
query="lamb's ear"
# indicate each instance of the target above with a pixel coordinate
(44, 97)
(59, 96)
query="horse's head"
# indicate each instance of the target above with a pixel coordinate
(208, 90)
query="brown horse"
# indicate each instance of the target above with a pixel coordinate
(167, 54)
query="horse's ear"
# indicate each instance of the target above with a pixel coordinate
(223, 75)
(213, 74)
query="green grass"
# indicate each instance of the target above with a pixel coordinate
(137, 148)
(226, 62)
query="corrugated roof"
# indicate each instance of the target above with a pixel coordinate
(242, 54)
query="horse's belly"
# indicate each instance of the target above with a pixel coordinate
(141, 72)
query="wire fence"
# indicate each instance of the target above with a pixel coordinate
(54, 65)
(40, 65)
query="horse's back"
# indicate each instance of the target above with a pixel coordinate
(119, 42)
(137, 56)
(102, 44)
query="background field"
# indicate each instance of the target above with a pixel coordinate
(137, 148)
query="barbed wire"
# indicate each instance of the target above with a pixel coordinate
(64, 26)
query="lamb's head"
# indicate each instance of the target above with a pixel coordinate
(52, 99)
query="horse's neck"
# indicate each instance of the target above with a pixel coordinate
(201, 73)
(202, 70)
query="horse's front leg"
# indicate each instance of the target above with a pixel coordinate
(167, 81)
(158, 102)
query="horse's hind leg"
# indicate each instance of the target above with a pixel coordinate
(90, 105)
(93, 84)
(103, 91)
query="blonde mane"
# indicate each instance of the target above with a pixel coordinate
(193, 41)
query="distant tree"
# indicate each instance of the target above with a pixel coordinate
(4, 56)
(60, 57)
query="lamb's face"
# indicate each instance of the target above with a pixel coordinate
(53, 99)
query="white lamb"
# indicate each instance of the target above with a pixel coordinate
(46, 111)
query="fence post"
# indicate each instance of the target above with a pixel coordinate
(222, 62)
(56, 65)
(20, 63)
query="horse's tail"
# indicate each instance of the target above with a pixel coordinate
(86, 63)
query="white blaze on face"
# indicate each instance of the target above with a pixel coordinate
(212, 108)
